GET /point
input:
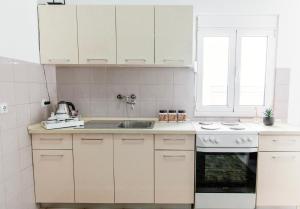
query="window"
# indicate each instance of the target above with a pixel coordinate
(235, 71)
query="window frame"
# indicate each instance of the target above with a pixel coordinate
(233, 109)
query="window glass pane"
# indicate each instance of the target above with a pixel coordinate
(215, 70)
(253, 70)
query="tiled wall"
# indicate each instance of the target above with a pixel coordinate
(94, 90)
(281, 96)
(22, 87)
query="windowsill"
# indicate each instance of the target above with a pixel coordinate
(214, 114)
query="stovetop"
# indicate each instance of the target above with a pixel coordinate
(220, 134)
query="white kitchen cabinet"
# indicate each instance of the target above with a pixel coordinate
(174, 35)
(278, 182)
(96, 34)
(53, 176)
(174, 177)
(58, 34)
(93, 168)
(135, 34)
(134, 168)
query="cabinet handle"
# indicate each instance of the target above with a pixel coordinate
(126, 139)
(135, 60)
(293, 157)
(96, 59)
(54, 139)
(173, 60)
(286, 140)
(59, 60)
(87, 139)
(44, 155)
(174, 156)
(173, 139)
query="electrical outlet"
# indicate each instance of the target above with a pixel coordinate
(3, 108)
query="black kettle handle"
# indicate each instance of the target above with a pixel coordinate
(72, 105)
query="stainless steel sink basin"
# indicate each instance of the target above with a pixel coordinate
(136, 124)
(114, 124)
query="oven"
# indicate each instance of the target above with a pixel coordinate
(225, 174)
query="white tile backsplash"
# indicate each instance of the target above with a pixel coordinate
(22, 87)
(152, 86)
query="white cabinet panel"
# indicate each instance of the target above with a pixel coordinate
(278, 181)
(93, 168)
(174, 177)
(53, 175)
(96, 34)
(134, 168)
(135, 34)
(174, 35)
(58, 34)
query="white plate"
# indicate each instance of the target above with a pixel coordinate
(237, 128)
(210, 127)
(230, 123)
(205, 123)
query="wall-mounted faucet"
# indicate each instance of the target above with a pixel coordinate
(131, 99)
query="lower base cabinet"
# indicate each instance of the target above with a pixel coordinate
(54, 182)
(134, 168)
(278, 179)
(93, 168)
(174, 179)
(114, 168)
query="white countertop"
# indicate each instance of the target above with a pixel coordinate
(188, 127)
(159, 128)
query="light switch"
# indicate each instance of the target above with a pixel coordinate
(3, 108)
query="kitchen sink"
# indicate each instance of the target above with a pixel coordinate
(136, 124)
(115, 124)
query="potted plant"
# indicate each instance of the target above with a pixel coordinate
(268, 117)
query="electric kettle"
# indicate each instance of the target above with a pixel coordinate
(65, 110)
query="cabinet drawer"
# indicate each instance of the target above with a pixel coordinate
(52, 141)
(174, 177)
(53, 175)
(279, 143)
(175, 142)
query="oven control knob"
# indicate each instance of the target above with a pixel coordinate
(238, 141)
(211, 140)
(216, 141)
(243, 140)
(249, 139)
(205, 139)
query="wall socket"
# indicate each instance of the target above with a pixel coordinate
(3, 108)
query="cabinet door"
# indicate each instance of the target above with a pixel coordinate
(93, 168)
(135, 34)
(58, 34)
(53, 175)
(96, 34)
(174, 35)
(174, 177)
(134, 168)
(278, 182)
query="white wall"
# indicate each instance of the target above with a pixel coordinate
(18, 30)
(18, 37)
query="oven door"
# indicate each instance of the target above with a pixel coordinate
(226, 170)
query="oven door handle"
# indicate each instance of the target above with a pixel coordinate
(227, 150)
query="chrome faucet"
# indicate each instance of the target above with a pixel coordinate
(131, 99)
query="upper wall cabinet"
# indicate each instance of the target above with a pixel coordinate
(58, 34)
(174, 35)
(108, 34)
(135, 34)
(96, 34)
